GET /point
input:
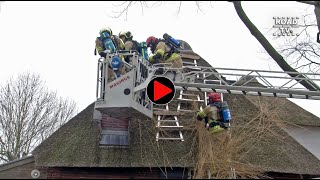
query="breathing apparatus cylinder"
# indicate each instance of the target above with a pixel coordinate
(171, 40)
(107, 42)
(226, 115)
(116, 63)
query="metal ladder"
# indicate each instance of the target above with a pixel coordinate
(204, 81)
(162, 120)
(252, 82)
(182, 100)
(164, 127)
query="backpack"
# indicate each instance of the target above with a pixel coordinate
(108, 42)
(135, 45)
(223, 111)
(143, 50)
(116, 42)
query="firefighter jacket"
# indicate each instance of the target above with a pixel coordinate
(163, 54)
(211, 112)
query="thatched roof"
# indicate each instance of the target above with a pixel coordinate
(76, 144)
(276, 151)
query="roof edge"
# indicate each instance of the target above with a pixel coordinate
(17, 162)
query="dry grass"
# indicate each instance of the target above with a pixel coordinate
(221, 155)
(218, 154)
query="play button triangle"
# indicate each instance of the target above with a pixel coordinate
(160, 90)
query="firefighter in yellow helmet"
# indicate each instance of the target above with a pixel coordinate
(162, 53)
(102, 43)
(127, 38)
(108, 41)
(129, 43)
(212, 115)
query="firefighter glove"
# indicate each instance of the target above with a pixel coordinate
(199, 118)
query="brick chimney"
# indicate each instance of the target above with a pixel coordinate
(114, 131)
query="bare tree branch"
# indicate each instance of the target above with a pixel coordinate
(180, 3)
(125, 10)
(269, 48)
(302, 50)
(29, 113)
(198, 6)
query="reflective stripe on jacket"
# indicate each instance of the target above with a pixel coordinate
(161, 50)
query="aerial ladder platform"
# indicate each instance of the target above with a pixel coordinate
(124, 95)
(127, 94)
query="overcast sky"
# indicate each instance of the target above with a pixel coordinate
(56, 39)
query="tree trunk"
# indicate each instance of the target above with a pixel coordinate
(269, 48)
(316, 5)
(317, 14)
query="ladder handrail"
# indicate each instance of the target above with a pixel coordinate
(234, 74)
(268, 71)
(251, 82)
(246, 88)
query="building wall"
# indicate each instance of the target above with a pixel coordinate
(277, 175)
(112, 123)
(102, 173)
(113, 173)
(307, 136)
(21, 169)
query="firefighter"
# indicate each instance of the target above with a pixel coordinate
(108, 41)
(129, 43)
(213, 114)
(162, 53)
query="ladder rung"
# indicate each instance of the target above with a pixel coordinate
(171, 127)
(167, 113)
(168, 120)
(195, 95)
(189, 63)
(183, 99)
(194, 68)
(212, 80)
(163, 138)
(185, 110)
(159, 109)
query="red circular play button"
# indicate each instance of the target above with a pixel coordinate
(160, 90)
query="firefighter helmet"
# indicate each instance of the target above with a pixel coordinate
(150, 41)
(126, 34)
(214, 97)
(106, 29)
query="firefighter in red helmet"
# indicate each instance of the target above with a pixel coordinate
(213, 114)
(162, 53)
